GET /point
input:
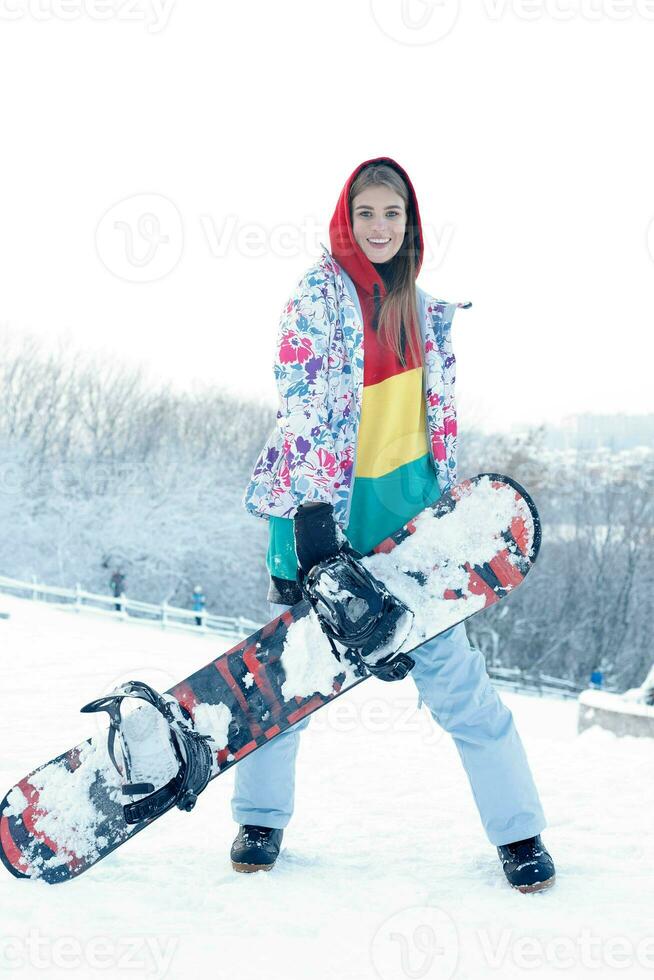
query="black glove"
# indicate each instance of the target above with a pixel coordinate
(315, 535)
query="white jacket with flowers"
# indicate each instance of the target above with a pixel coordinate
(311, 453)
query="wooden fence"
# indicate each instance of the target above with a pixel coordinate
(168, 617)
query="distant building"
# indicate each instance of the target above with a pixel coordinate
(613, 432)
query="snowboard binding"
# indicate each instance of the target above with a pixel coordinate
(355, 610)
(162, 740)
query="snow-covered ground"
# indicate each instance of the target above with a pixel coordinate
(385, 870)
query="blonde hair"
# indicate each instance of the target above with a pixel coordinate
(399, 306)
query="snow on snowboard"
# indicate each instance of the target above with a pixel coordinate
(464, 553)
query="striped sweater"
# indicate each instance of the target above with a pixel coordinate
(394, 478)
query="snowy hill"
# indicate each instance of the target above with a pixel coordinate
(385, 870)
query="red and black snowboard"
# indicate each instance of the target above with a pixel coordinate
(466, 552)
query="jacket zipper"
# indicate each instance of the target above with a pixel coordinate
(357, 305)
(423, 317)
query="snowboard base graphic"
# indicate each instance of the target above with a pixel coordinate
(466, 552)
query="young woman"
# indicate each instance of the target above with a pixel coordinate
(365, 439)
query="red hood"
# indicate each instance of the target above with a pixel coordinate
(344, 246)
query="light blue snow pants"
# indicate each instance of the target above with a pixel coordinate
(452, 681)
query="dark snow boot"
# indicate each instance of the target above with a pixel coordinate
(527, 864)
(255, 848)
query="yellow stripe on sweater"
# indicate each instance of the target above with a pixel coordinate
(392, 430)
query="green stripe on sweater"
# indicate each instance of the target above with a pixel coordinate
(380, 505)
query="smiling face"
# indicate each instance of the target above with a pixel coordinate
(379, 222)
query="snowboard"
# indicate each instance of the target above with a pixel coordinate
(464, 553)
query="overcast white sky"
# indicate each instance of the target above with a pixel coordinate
(169, 169)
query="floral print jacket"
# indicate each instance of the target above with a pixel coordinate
(310, 454)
